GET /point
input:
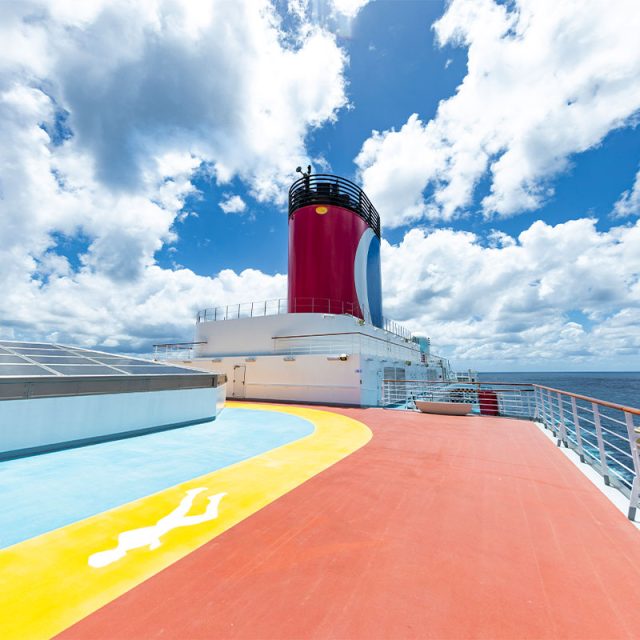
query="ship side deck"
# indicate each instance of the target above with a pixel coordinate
(440, 527)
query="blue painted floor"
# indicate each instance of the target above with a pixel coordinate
(42, 493)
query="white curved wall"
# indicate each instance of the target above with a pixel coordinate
(42, 423)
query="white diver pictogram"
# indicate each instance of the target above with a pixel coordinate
(150, 536)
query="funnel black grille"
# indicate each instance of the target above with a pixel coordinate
(324, 188)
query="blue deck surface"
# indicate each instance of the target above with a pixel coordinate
(42, 493)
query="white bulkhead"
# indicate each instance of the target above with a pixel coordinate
(309, 357)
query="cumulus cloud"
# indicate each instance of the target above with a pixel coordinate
(544, 80)
(348, 8)
(233, 204)
(629, 202)
(88, 310)
(558, 295)
(107, 111)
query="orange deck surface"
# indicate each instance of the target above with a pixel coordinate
(440, 527)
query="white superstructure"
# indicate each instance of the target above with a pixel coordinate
(328, 342)
(305, 357)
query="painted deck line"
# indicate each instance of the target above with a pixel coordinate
(47, 583)
(441, 527)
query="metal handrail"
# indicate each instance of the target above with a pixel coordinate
(177, 344)
(274, 307)
(326, 188)
(278, 306)
(585, 421)
(604, 403)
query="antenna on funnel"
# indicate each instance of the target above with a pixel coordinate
(305, 174)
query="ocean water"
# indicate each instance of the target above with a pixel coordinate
(619, 387)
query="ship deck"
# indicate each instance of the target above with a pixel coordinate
(438, 527)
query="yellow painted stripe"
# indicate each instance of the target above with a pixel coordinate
(46, 583)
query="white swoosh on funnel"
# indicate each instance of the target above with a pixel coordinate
(360, 273)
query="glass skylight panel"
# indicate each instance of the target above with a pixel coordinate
(60, 360)
(71, 353)
(90, 354)
(35, 351)
(83, 370)
(7, 358)
(155, 369)
(26, 346)
(11, 345)
(19, 370)
(118, 360)
(22, 359)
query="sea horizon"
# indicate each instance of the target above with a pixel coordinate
(620, 387)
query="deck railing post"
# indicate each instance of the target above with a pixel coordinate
(552, 420)
(543, 409)
(603, 457)
(576, 422)
(562, 438)
(634, 443)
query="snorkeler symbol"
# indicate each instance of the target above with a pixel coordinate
(150, 536)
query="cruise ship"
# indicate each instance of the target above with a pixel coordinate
(307, 469)
(328, 341)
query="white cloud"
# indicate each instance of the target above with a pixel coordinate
(629, 202)
(554, 296)
(545, 80)
(349, 8)
(87, 309)
(233, 204)
(335, 16)
(107, 111)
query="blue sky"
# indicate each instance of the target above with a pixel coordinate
(499, 142)
(395, 69)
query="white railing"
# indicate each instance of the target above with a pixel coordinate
(513, 400)
(274, 307)
(347, 344)
(604, 435)
(278, 306)
(174, 350)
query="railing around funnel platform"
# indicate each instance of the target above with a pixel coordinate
(278, 306)
(274, 307)
(605, 435)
